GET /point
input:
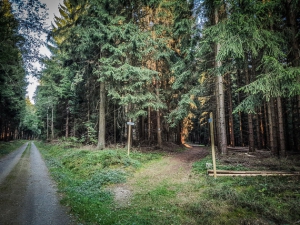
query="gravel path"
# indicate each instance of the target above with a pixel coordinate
(27, 193)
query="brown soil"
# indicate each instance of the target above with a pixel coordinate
(260, 160)
(176, 168)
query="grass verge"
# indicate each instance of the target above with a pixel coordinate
(8, 147)
(83, 175)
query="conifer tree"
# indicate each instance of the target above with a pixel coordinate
(12, 74)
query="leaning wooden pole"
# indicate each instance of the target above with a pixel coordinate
(213, 144)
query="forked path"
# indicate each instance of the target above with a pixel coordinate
(174, 169)
(27, 193)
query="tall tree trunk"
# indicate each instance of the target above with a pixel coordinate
(149, 123)
(230, 107)
(272, 127)
(47, 125)
(240, 113)
(221, 103)
(298, 121)
(261, 130)
(258, 131)
(271, 131)
(142, 128)
(294, 58)
(250, 119)
(217, 136)
(281, 128)
(101, 131)
(115, 125)
(67, 122)
(275, 122)
(178, 136)
(267, 126)
(159, 140)
(52, 124)
(74, 127)
(294, 115)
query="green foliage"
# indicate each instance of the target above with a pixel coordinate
(7, 147)
(84, 175)
(12, 74)
(162, 191)
(201, 166)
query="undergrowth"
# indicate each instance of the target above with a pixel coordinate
(247, 200)
(7, 147)
(201, 167)
(84, 175)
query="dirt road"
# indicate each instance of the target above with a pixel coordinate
(27, 194)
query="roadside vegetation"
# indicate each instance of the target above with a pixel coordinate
(158, 189)
(7, 147)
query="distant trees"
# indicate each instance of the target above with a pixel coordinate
(12, 74)
(18, 50)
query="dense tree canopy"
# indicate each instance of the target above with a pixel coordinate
(164, 65)
(21, 24)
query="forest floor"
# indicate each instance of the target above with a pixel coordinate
(164, 186)
(175, 168)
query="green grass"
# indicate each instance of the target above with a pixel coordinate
(84, 175)
(172, 197)
(200, 166)
(8, 147)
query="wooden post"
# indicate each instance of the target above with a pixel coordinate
(213, 144)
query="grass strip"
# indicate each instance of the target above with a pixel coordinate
(8, 147)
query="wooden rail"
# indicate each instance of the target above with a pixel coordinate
(231, 173)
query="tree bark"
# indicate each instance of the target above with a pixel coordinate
(266, 115)
(250, 119)
(281, 128)
(47, 125)
(149, 123)
(272, 127)
(221, 102)
(115, 125)
(240, 114)
(52, 124)
(67, 122)
(101, 131)
(258, 131)
(230, 107)
(159, 140)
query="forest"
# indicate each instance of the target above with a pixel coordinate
(163, 65)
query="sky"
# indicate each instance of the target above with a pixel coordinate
(52, 5)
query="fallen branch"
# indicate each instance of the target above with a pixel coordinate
(252, 172)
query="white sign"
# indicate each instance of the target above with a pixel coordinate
(130, 123)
